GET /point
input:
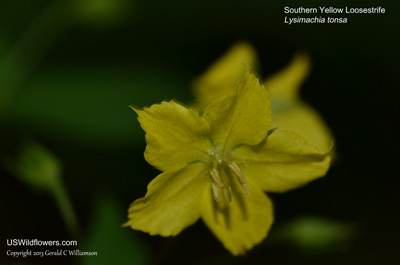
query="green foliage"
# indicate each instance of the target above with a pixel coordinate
(91, 108)
(113, 244)
(102, 12)
(315, 234)
(36, 167)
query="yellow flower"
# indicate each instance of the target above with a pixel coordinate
(216, 164)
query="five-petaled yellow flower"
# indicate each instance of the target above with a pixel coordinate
(216, 163)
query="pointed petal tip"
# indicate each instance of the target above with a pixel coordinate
(133, 107)
(136, 109)
(126, 224)
(302, 58)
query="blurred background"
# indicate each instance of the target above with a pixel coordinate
(69, 70)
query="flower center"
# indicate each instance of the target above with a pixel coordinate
(220, 162)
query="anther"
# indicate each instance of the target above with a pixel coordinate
(245, 188)
(228, 194)
(215, 175)
(215, 191)
(235, 168)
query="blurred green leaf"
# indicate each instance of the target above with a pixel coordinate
(102, 12)
(90, 107)
(315, 234)
(113, 244)
(35, 166)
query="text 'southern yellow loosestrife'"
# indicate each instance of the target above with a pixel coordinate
(216, 163)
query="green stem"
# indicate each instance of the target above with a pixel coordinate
(65, 206)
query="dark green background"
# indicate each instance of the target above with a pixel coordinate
(74, 101)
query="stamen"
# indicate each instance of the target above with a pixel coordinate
(215, 175)
(228, 194)
(235, 168)
(215, 191)
(245, 188)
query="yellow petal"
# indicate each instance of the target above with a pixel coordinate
(284, 161)
(288, 112)
(220, 78)
(241, 118)
(242, 223)
(307, 123)
(171, 203)
(175, 135)
(286, 84)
